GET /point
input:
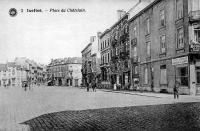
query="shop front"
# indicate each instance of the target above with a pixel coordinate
(182, 73)
(195, 73)
(187, 73)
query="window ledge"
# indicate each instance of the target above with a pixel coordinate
(147, 35)
(163, 84)
(178, 19)
(163, 54)
(162, 27)
(180, 50)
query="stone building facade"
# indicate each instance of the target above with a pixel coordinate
(120, 63)
(86, 64)
(65, 72)
(105, 43)
(91, 61)
(165, 36)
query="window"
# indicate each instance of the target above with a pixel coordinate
(147, 26)
(198, 75)
(148, 48)
(145, 75)
(126, 29)
(108, 57)
(105, 44)
(179, 9)
(180, 41)
(108, 42)
(13, 72)
(162, 18)
(182, 75)
(134, 51)
(105, 58)
(196, 33)
(163, 44)
(195, 5)
(134, 31)
(136, 69)
(163, 74)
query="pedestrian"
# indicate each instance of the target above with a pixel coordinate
(94, 86)
(88, 88)
(176, 90)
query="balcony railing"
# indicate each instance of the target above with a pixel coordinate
(124, 54)
(114, 42)
(114, 58)
(134, 59)
(194, 16)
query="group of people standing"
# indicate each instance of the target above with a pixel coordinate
(91, 85)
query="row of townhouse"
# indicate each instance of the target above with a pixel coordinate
(36, 73)
(65, 72)
(12, 74)
(153, 45)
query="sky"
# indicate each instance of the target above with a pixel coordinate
(49, 35)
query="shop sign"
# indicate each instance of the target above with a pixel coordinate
(194, 47)
(180, 60)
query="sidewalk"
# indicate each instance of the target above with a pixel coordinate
(154, 94)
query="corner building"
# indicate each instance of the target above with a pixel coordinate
(165, 46)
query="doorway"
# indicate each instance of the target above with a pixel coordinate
(198, 80)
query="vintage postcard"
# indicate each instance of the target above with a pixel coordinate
(95, 65)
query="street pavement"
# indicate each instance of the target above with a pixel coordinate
(167, 117)
(18, 106)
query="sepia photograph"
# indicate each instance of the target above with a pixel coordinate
(99, 65)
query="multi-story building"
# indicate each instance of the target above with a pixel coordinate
(105, 43)
(12, 74)
(120, 65)
(34, 70)
(86, 64)
(91, 61)
(165, 45)
(65, 71)
(135, 53)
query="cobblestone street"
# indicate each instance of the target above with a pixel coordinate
(18, 106)
(182, 117)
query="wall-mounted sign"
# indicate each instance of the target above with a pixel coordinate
(194, 47)
(180, 60)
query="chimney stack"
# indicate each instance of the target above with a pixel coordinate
(92, 39)
(120, 14)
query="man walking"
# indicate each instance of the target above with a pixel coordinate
(176, 90)
(94, 86)
(87, 86)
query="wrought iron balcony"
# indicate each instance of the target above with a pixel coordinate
(134, 59)
(114, 42)
(124, 54)
(194, 16)
(114, 59)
